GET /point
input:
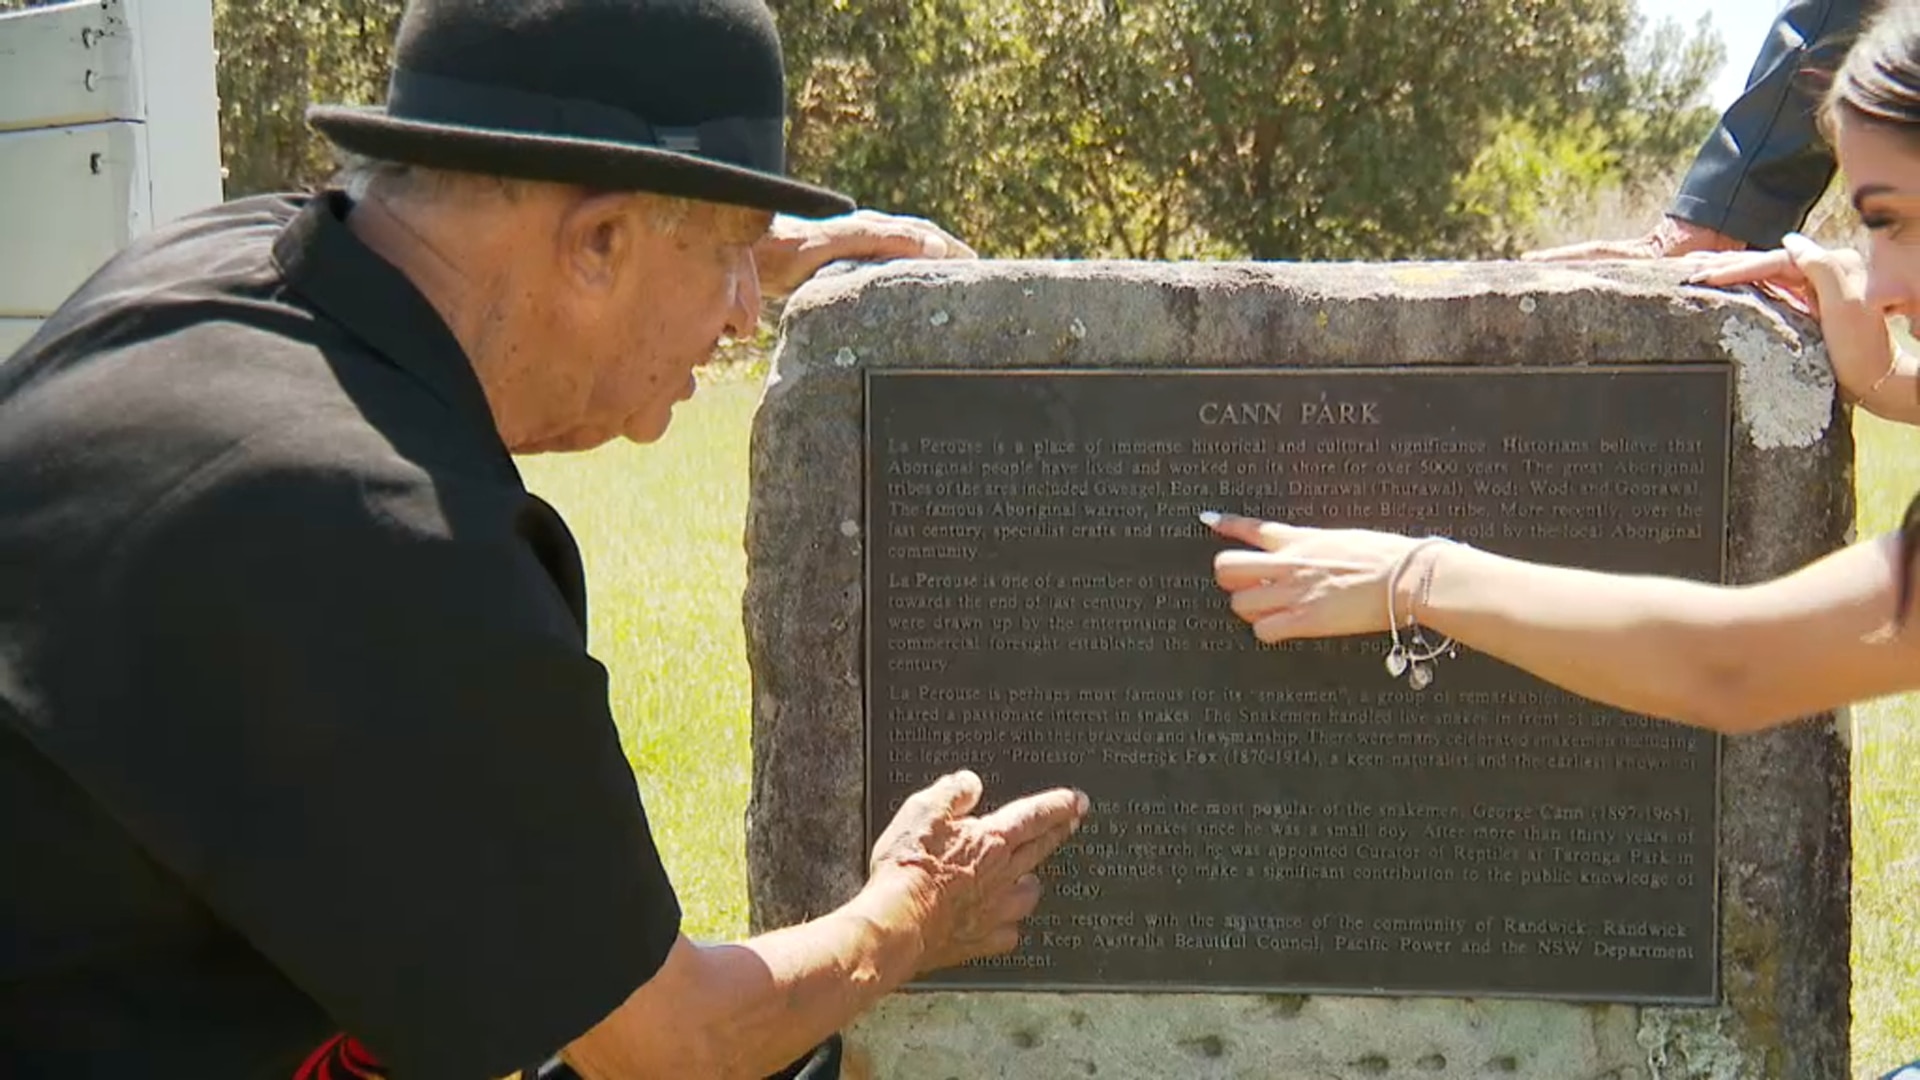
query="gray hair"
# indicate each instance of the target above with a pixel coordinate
(361, 177)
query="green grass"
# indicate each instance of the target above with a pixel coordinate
(660, 530)
(1886, 806)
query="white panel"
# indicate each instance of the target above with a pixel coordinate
(72, 194)
(70, 203)
(66, 65)
(14, 333)
(174, 62)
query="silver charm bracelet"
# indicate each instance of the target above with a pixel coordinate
(1414, 660)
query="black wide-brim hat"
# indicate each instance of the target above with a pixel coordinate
(678, 97)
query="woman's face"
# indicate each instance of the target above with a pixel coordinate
(1882, 167)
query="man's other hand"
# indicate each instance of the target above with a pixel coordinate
(967, 882)
(796, 247)
(1670, 238)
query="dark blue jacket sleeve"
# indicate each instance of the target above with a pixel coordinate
(1765, 163)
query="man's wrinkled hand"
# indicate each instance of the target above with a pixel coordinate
(969, 881)
(795, 248)
(1668, 239)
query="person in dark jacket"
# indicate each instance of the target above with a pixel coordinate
(1765, 164)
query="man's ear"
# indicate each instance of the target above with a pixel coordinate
(599, 239)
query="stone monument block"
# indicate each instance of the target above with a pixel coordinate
(972, 542)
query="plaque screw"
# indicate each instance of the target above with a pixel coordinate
(849, 528)
(844, 358)
(939, 318)
(1527, 304)
(1078, 329)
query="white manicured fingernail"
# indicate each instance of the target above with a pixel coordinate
(1209, 518)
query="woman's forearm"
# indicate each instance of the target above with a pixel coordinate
(1728, 658)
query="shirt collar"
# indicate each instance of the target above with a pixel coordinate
(346, 281)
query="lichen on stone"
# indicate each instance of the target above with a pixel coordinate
(1785, 395)
(1691, 1044)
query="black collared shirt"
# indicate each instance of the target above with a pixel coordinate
(302, 753)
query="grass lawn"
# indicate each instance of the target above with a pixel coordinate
(1886, 807)
(660, 528)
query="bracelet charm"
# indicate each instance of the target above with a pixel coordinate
(1414, 660)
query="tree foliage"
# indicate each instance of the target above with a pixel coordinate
(1314, 129)
(1162, 128)
(275, 59)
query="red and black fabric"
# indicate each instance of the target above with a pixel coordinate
(341, 1058)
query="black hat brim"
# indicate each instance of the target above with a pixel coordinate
(607, 166)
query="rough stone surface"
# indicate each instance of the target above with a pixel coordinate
(1244, 1037)
(1785, 844)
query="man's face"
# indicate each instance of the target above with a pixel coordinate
(640, 308)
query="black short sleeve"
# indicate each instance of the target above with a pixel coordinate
(351, 706)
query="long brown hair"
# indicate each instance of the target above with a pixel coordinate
(1879, 85)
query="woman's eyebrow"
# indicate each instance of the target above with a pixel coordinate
(1867, 191)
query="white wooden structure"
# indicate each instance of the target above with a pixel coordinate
(109, 126)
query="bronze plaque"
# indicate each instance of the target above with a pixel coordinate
(1040, 608)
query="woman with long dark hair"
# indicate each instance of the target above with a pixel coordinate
(1730, 658)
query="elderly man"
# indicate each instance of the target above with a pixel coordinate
(305, 767)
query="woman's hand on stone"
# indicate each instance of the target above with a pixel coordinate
(1310, 583)
(1829, 285)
